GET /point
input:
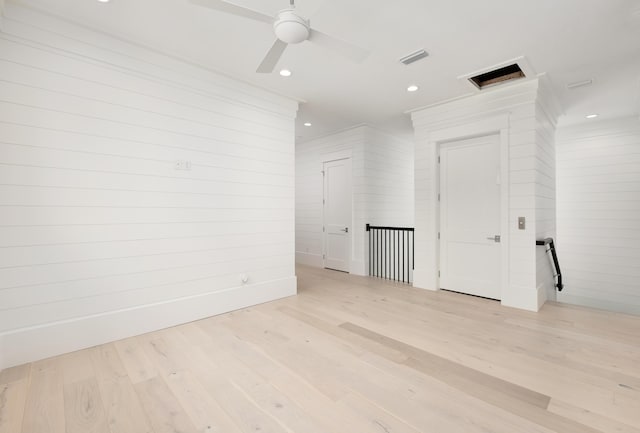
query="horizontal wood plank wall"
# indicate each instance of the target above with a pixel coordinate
(386, 193)
(599, 214)
(519, 103)
(382, 166)
(309, 187)
(545, 154)
(95, 219)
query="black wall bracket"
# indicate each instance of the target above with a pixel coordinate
(552, 249)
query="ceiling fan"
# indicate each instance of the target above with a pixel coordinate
(290, 28)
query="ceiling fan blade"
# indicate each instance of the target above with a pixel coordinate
(339, 46)
(230, 8)
(272, 57)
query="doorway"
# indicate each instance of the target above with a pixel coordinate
(337, 230)
(470, 216)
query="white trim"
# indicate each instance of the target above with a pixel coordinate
(329, 134)
(67, 336)
(324, 158)
(514, 298)
(550, 103)
(309, 259)
(421, 281)
(442, 192)
(505, 205)
(490, 95)
(498, 124)
(332, 157)
(542, 295)
(375, 129)
(439, 103)
(477, 128)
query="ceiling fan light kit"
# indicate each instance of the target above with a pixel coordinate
(290, 27)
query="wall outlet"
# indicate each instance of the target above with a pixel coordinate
(182, 165)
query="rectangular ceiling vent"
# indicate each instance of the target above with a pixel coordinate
(498, 76)
(414, 57)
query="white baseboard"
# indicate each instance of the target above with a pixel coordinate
(542, 295)
(358, 268)
(424, 280)
(523, 298)
(31, 344)
(309, 259)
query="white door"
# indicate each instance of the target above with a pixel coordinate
(337, 214)
(470, 248)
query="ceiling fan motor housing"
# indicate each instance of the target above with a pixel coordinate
(291, 27)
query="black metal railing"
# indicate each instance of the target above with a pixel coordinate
(391, 252)
(548, 242)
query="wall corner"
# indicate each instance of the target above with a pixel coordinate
(523, 298)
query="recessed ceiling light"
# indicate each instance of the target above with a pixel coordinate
(285, 73)
(104, 1)
(592, 116)
(307, 123)
(412, 88)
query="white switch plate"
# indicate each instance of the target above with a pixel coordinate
(522, 223)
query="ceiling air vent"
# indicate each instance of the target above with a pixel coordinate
(498, 76)
(414, 57)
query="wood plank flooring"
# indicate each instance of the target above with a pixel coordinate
(349, 354)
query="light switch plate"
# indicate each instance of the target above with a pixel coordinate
(522, 223)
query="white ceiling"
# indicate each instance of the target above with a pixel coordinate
(570, 40)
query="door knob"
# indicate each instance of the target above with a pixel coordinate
(346, 230)
(495, 238)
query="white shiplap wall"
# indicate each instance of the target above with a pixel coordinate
(382, 188)
(599, 214)
(309, 186)
(545, 186)
(517, 108)
(101, 237)
(386, 193)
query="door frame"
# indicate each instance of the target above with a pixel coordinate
(325, 158)
(443, 148)
(498, 125)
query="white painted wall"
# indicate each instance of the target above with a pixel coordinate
(309, 187)
(545, 188)
(518, 112)
(599, 214)
(385, 196)
(382, 189)
(100, 236)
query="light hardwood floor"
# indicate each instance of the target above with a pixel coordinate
(349, 354)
